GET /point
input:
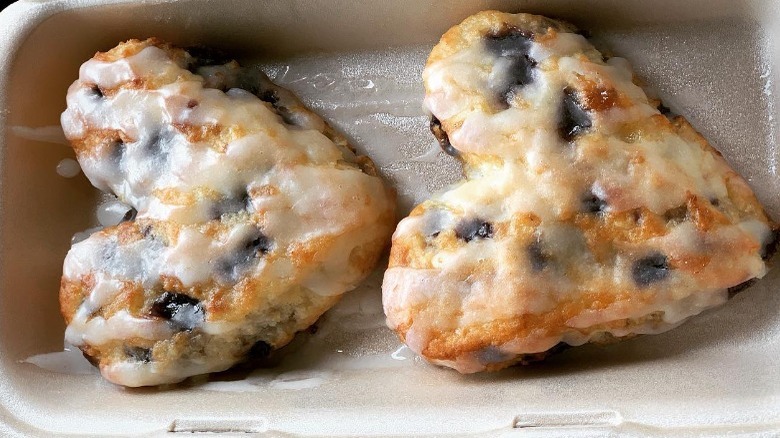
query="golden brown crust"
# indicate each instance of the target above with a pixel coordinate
(253, 215)
(586, 215)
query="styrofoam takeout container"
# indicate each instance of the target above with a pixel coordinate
(359, 64)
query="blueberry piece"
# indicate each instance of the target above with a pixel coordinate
(530, 358)
(146, 231)
(575, 120)
(153, 145)
(469, 230)
(139, 354)
(520, 74)
(663, 109)
(269, 96)
(536, 256)
(261, 244)
(512, 44)
(205, 56)
(441, 135)
(734, 290)
(593, 204)
(96, 91)
(248, 80)
(231, 205)
(280, 109)
(650, 269)
(182, 312)
(233, 266)
(715, 202)
(491, 354)
(509, 41)
(192, 103)
(769, 248)
(116, 151)
(157, 146)
(259, 350)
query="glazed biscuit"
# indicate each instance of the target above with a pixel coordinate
(253, 215)
(586, 214)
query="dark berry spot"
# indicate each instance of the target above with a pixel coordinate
(520, 74)
(259, 245)
(116, 151)
(769, 248)
(530, 358)
(509, 41)
(469, 230)
(269, 96)
(231, 205)
(650, 269)
(157, 146)
(192, 103)
(517, 71)
(205, 56)
(250, 81)
(232, 267)
(591, 203)
(492, 354)
(734, 290)
(442, 137)
(139, 354)
(284, 113)
(676, 215)
(183, 312)
(663, 109)
(130, 215)
(575, 120)
(97, 92)
(259, 350)
(715, 202)
(537, 257)
(153, 145)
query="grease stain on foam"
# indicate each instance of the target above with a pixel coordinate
(297, 380)
(68, 361)
(45, 134)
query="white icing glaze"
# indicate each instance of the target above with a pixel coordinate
(188, 155)
(518, 161)
(111, 212)
(68, 168)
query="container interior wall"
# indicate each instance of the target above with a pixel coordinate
(712, 60)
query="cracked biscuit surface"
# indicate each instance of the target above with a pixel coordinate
(586, 214)
(253, 215)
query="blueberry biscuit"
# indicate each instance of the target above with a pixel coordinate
(586, 214)
(253, 215)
